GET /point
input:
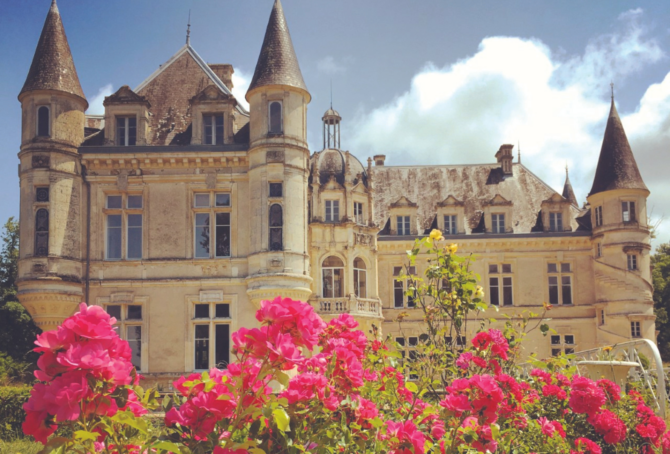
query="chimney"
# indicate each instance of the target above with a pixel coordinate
(504, 158)
(379, 159)
(223, 72)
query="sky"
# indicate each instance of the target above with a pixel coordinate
(424, 82)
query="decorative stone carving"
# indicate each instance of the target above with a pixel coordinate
(210, 180)
(211, 296)
(122, 180)
(276, 263)
(122, 298)
(275, 156)
(210, 270)
(363, 239)
(40, 162)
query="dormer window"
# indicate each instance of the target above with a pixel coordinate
(43, 121)
(628, 211)
(332, 211)
(556, 222)
(403, 225)
(213, 129)
(450, 227)
(498, 223)
(126, 131)
(275, 118)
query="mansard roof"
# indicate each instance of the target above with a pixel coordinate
(473, 185)
(277, 62)
(617, 168)
(53, 67)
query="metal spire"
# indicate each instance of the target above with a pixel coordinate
(331, 92)
(612, 87)
(188, 29)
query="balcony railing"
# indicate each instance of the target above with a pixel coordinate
(353, 305)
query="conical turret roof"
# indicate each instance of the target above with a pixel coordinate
(568, 193)
(53, 67)
(277, 63)
(617, 168)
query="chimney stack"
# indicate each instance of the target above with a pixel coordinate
(504, 158)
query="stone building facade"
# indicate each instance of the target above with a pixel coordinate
(179, 210)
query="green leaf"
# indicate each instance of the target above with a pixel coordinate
(283, 378)
(411, 386)
(167, 446)
(85, 435)
(282, 419)
(128, 418)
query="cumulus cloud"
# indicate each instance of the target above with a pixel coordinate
(331, 66)
(95, 106)
(518, 90)
(241, 81)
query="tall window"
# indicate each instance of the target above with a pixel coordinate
(599, 249)
(628, 211)
(402, 297)
(213, 132)
(403, 225)
(276, 227)
(450, 227)
(408, 352)
(276, 189)
(562, 343)
(632, 262)
(332, 211)
(208, 207)
(129, 322)
(275, 120)
(500, 285)
(360, 278)
(124, 213)
(332, 270)
(358, 213)
(126, 131)
(43, 121)
(211, 335)
(635, 330)
(42, 232)
(601, 317)
(560, 283)
(599, 216)
(498, 223)
(556, 222)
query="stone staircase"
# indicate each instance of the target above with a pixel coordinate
(624, 281)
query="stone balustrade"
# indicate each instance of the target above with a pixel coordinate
(365, 307)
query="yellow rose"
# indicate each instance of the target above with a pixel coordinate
(436, 235)
(451, 249)
(479, 292)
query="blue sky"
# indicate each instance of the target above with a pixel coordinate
(425, 82)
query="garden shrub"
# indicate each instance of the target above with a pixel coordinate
(12, 414)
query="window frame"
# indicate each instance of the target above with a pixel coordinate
(38, 121)
(555, 221)
(451, 227)
(125, 228)
(212, 321)
(401, 283)
(126, 128)
(273, 228)
(214, 126)
(408, 345)
(498, 272)
(496, 223)
(281, 116)
(562, 345)
(124, 323)
(636, 329)
(598, 215)
(628, 207)
(212, 209)
(332, 277)
(332, 207)
(406, 224)
(359, 213)
(631, 261)
(357, 278)
(560, 275)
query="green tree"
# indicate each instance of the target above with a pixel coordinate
(661, 279)
(17, 329)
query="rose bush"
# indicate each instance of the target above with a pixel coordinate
(301, 385)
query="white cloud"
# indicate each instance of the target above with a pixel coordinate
(241, 81)
(95, 106)
(330, 66)
(516, 89)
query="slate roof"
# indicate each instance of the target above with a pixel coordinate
(474, 185)
(277, 63)
(617, 168)
(52, 67)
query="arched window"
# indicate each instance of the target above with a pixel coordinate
(276, 227)
(332, 270)
(43, 121)
(360, 278)
(275, 117)
(42, 232)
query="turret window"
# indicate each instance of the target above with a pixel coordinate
(276, 227)
(360, 275)
(213, 133)
(275, 118)
(632, 262)
(628, 211)
(42, 233)
(43, 116)
(635, 330)
(498, 223)
(332, 270)
(332, 211)
(556, 222)
(599, 216)
(276, 190)
(126, 131)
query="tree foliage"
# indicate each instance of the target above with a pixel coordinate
(17, 329)
(661, 280)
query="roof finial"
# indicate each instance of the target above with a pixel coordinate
(188, 29)
(331, 92)
(612, 88)
(566, 169)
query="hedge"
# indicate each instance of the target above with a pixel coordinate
(11, 411)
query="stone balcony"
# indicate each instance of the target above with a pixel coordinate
(352, 305)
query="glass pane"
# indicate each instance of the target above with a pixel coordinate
(569, 339)
(121, 130)
(222, 239)
(113, 201)
(223, 199)
(569, 351)
(114, 311)
(134, 236)
(359, 263)
(507, 268)
(202, 235)
(222, 350)
(202, 347)
(327, 283)
(222, 311)
(276, 239)
(275, 117)
(413, 341)
(207, 122)
(41, 244)
(134, 338)
(219, 129)
(134, 201)
(201, 200)
(495, 296)
(134, 312)
(332, 262)
(555, 352)
(338, 283)
(132, 130)
(276, 216)
(398, 295)
(553, 294)
(566, 290)
(400, 341)
(552, 268)
(43, 121)
(493, 269)
(507, 292)
(362, 284)
(276, 190)
(555, 340)
(114, 236)
(565, 267)
(397, 270)
(202, 311)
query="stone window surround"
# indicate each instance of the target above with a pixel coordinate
(486, 275)
(560, 275)
(404, 211)
(556, 204)
(212, 210)
(37, 119)
(451, 207)
(124, 211)
(139, 111)
(498, 205)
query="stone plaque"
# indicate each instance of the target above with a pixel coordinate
(211, 296)
(40, 162)
(275, 156)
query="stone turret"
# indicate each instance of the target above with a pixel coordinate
(568, 192)
(621, 241)
(51, 260)
(278, 163)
